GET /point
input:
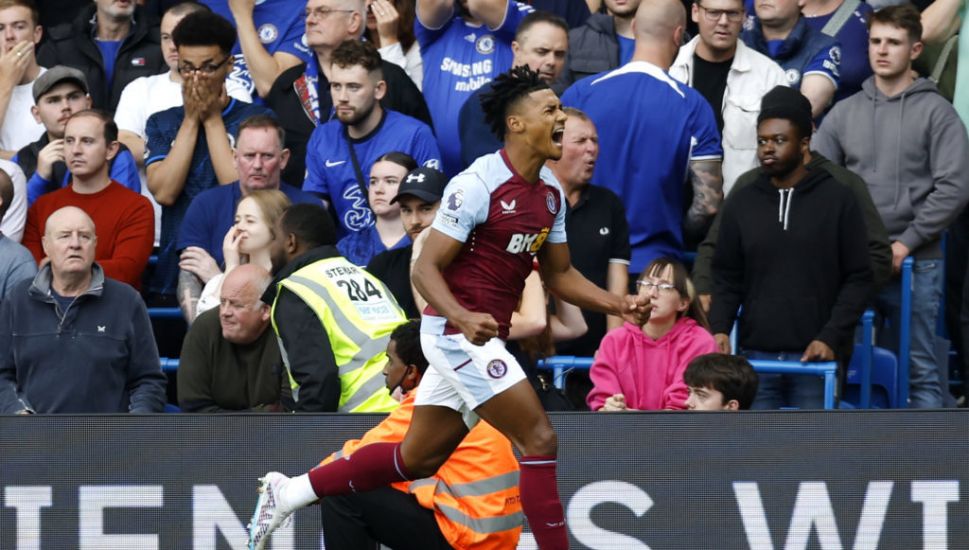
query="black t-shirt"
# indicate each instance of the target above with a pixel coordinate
(392, 267)
(710, 79)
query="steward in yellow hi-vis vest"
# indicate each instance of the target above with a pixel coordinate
(333, 321)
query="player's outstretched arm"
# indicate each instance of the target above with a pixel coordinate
(438, 252)
(563, 280)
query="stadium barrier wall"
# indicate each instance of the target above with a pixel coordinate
(631, 481)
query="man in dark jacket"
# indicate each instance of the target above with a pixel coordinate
(74, 341)
(112, 45)
(791, 251)
(605, 42)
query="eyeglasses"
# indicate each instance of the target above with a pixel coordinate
(651, 286)
(714, 16)
(207, 69)
(323, 13)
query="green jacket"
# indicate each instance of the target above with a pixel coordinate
(879, 248)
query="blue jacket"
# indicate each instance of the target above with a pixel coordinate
(98, 356)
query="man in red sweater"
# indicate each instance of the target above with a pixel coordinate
(124, 219)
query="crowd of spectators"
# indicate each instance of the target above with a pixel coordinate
(281, 162)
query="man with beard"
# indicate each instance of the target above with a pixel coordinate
(792, 251)
(341, 152)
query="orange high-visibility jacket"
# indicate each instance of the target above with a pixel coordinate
(474, 495)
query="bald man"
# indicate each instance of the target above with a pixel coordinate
(90, 349)
(664, 135)
(230, 359)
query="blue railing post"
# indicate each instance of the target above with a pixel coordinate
(867, 359)
(828, 370)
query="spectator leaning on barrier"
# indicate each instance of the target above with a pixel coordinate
(301, 94)
(332, 318)
(419, 197)
(259, 158)
(810, 59)
(342, 151)
(230, 359)
(541, 42)
(19, 22)
(58, 94)
(664, 134)
(112, 43)
(604, 42)
(189, 148)
(641, 367)
(16, 262)
(731, 76)
(72, 340)
(465, 44)
(720, 382)
(124, 218)
(595, 223)
(908, 143)
(791, 250)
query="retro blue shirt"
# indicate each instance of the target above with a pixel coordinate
(281, 25)
(458, 59)
(161, 129)
(644, 158)
(329, 167)
(212, 213)
(804, 51)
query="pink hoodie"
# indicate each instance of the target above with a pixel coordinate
(649, 373)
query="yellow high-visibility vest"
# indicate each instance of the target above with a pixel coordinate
(358, 313)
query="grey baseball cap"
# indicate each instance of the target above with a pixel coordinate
(54, 76)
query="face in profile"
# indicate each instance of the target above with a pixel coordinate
(255, 232)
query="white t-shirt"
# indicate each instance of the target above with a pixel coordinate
(19, 127)
(147, 95)
(14, 220)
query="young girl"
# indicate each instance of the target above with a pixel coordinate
(248, 240)
(387, 232)
(641, 367)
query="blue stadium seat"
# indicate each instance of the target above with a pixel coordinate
(169, 364)
(884, 382)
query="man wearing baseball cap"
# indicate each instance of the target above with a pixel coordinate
(419, 196)
(58, 94)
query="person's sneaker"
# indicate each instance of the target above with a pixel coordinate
(269, 514)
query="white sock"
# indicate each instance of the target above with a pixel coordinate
(297, 493)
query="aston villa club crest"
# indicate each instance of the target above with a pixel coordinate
(550, 203)
(497, 368)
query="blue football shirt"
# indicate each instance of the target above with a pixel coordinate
(161, 129)
(855, 67)
(645, 149)
(329, 167)
(458, 59)
(281, 25)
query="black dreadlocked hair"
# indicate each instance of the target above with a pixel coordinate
(507, 89)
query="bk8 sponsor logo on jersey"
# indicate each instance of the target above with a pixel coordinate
(524, 242)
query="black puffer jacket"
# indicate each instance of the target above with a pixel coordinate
(593, 49)
(73, 45)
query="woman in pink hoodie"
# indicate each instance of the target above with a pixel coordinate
(641, 367)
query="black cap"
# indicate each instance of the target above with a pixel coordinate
(788, 104)
(424, 183)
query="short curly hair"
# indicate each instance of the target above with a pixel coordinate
(506, 90)
(357, 52)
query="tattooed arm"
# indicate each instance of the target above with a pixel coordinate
(189, 291)
(707, 181)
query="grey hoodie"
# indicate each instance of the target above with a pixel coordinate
(913, 152)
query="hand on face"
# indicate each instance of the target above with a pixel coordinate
(14, 63)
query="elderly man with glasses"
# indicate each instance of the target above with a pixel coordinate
(731, 76)
(189, 148)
